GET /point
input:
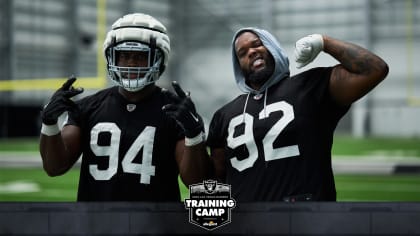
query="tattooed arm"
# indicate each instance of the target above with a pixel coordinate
(359, 72)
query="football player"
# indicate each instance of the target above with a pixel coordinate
(132, 150)
(273, 143)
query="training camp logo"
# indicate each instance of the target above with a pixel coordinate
(210, 204)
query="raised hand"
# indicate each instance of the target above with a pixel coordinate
(183, 111)
(307, 49)
(61, 102)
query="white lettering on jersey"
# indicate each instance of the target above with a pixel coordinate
(271, 153)
(110, 151)
(144, 140)
(247, 138)
(146, 169)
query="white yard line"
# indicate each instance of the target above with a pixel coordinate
(22, 160)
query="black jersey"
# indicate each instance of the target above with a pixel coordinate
(280, 145)
(128, 149)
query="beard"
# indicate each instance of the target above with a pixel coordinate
(261, 76)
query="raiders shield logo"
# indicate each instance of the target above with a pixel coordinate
(210, 204)
(210, 186)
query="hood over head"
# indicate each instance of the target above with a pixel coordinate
(280, 59)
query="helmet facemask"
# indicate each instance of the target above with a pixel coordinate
(137, 77)
(136, 33)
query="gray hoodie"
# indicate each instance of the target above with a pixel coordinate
(281, 61)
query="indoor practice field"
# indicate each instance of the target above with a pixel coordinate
(20, 183)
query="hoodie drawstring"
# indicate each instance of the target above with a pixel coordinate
(265, 103)
(246, 103)
(265, 113)
(255, 97)
(265, 108)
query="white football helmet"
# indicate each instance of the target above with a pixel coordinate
(137, 32)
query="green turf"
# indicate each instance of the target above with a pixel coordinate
(61, 188)
(349, 187)
(19, 144)
(378, 187)
(346, 145)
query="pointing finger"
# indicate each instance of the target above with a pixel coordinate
(179, 90)
(68, 83)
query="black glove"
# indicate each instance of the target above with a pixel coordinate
(61, 102)
(183, 111)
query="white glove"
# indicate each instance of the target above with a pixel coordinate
(307, 49)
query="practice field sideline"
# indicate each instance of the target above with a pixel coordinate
(372, 169)
(342, 146)
(34, 185)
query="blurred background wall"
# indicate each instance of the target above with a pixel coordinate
(45, 41)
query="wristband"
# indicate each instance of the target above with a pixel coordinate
(50, 130)
(201, 137)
